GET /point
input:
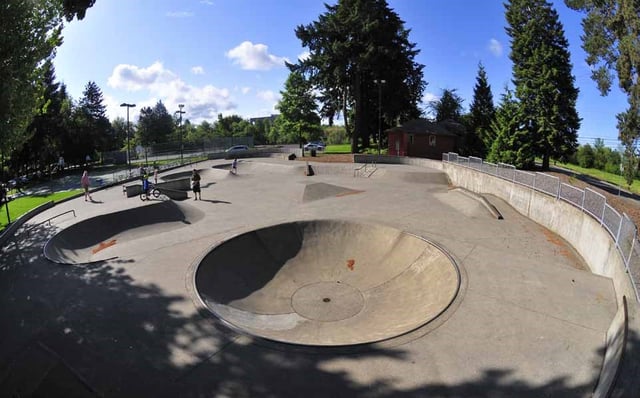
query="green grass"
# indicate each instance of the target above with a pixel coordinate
(339, 148)
(24, 204)
(604, 176)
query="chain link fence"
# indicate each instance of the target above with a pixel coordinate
(620, 227)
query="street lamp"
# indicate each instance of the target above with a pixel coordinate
(180, 128)
(379, 82)
(128, 154)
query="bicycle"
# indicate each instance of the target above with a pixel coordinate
(151, 191)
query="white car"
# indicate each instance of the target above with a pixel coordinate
(314, 145)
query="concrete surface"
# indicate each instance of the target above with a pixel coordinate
(327, 282)
(528, 321)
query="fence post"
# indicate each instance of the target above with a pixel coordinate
(619, 229)
(633, 242)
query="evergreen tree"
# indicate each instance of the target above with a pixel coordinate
(448, 107)
(513, 144)
(542, 77)
(352, 44)
(298, 120)
(481, 114)
(93, 123)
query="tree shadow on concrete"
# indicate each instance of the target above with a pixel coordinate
(116, 336)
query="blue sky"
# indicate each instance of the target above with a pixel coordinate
(227, 56)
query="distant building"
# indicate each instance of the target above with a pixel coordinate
(424, 139)
(270, 119)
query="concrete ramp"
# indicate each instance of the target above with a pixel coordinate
(97, 238)
(321, 190)
(327, 282)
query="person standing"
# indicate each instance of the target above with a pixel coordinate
(195, 184)
(84, 182)
(234, 166)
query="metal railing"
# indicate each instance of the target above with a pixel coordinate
(623, 231)
(365, 168)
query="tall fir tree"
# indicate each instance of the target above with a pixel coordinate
(95, 127)
(542, 77)
(481, 114)
(353, 44)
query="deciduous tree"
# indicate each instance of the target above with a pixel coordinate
(298, 120)
(611, 40)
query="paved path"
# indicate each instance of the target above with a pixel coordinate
(526, 322)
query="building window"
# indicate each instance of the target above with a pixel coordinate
(432, 140)
(410, 139)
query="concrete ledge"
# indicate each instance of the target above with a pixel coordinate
(179, 184)
(174, 194)
(133, 190)
(492, 209)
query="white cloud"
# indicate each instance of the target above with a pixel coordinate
(254, 57)
(206, 2)
(201, 102)
(427, 100)
(245, 90)
(495, 47)
(268, 96)
(304, 55)
(429, 97)
(179, 14)
(134, 78)
(197, 70)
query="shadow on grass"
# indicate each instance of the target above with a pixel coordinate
(95, 330)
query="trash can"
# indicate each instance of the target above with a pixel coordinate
(313, 153)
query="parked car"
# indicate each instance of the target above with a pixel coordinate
(314, 145)
(237, 148)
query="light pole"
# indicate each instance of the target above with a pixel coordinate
(128, 154)
(180, 128)
(379, 82)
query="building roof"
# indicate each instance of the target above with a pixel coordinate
(424, 126)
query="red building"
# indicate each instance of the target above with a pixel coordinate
(424, 139)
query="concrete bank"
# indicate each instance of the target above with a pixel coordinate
(621, 366)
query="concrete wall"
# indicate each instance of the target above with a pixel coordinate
(620, 373)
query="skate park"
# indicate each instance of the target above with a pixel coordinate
(402, 281)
